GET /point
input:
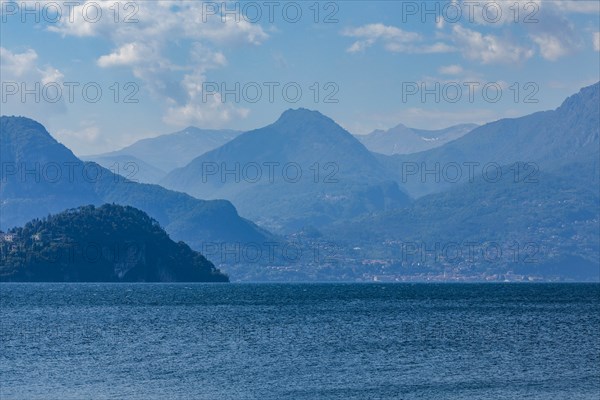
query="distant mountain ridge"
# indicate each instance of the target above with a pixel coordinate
(319, 173)
(404, 140)
(129, 167)
(538, 208)
(335, 190)
(166, 152)
(545, 139)
(26, 145)
(57, 180)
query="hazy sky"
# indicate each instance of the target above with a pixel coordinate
(162, 66)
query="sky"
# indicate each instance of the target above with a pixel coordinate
(102, 74)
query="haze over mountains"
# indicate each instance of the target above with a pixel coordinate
(546, 140)
(531, 182)
(147, 160)
(129, 167)
(404, 140)
(547, 226)
(41, 176)
(538, 207)
(304, 169)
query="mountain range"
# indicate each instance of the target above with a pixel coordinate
(40, 176)
(404, 140)
(147, 161)
(548, 227)
(538, 206)
(532, 182)
(302, 170)
(545, 140)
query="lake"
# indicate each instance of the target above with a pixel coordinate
(300, 341)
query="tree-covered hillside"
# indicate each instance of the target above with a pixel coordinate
(546, 224)
(110, 243)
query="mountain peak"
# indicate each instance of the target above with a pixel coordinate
(586, 97)
(21, 137)
(190, 128)
(24, 124)
(302, 115)
(400, 126)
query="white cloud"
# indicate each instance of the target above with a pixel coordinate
(440, 23)
(198, 109)
(575, 6)
(24, 70)
(554, 34)
(546, 31)
(551, 47)
(51, 75)
(544, 20)
(127, 55)
(473, 45)
(596, 39)
(146, 46)
(359, 46)
(438, 47)
(231, 31)
(15, 65)
(163, 20)
(394, 39)
(450, 70)
(488, 49)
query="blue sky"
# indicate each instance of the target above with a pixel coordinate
(369, 60)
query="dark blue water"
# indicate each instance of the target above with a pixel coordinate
(328, 341)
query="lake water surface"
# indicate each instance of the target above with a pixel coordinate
(300, 341)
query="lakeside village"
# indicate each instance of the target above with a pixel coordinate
(319, 260)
